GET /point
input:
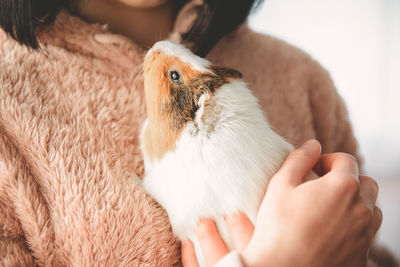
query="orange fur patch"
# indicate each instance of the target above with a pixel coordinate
(160, 135)
(171, 105)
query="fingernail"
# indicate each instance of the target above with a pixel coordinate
(311, 143)
(374, 181)
(378, 211)
(379, 215)
(231, 218)
(375, 185)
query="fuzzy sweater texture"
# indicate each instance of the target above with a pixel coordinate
(70, 116)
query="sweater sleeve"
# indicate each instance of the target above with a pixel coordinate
(31, 223)
(13, 249)
(330, 116)
(19, 203)
(14, 253)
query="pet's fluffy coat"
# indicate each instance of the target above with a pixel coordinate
(222, 159)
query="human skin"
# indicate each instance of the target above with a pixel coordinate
(141, 3)
(143, 21)
(330, 221)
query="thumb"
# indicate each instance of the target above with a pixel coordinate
(299, 163)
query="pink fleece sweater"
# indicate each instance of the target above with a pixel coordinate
(70, 116)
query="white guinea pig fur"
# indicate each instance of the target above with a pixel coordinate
(217, 162)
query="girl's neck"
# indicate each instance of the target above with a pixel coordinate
(144, 26)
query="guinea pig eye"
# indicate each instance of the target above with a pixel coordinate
(175, 77)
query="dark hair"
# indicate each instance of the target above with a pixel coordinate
(216, 19)
(20, 18)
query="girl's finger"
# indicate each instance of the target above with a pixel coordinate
(339, 162)
(240, 228)
(298, 163)
(368, 190)
(211, 243)
(376, 222)
(188, 255)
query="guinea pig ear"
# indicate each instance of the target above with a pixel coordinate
(201, 104)
(227, 72)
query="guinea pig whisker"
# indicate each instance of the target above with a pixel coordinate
(138, 71)
(146, 47)
(138, 68)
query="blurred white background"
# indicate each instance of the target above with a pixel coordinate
(358, 41)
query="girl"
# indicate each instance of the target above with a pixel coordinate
(71, 106)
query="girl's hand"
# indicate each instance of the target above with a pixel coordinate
(211, 243)
(329, 221)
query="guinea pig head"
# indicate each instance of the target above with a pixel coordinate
(177, 85)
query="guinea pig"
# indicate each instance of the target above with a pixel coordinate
(208, 149)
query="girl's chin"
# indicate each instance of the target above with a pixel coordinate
(142, 3)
